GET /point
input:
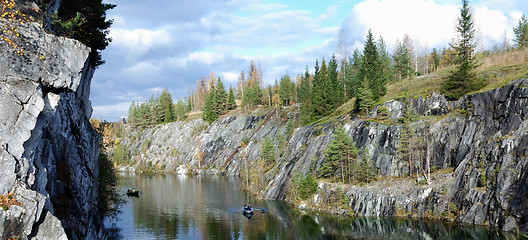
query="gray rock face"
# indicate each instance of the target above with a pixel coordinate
(48, 149)
(483, 137)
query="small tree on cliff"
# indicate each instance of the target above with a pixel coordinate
(339, 156)
(231, 100)
(463, 80)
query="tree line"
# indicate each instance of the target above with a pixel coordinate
(158, 109)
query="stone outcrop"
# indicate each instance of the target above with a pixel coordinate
(48, 149)
(482, 139)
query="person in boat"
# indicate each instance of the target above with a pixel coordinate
(248, 207)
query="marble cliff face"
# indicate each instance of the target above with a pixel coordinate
(48, 150)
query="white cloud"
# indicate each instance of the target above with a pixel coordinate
(426, 20)
(230, 77)
(137, 42)
(430, 22)
(207, 58)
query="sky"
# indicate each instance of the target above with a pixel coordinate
(160, 44)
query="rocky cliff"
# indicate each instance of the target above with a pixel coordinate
(48, 149)
(478, 145)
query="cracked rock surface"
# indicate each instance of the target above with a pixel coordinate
(48, 149)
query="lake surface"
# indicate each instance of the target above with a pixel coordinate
(205, 207)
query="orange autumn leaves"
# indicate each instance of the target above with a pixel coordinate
(8, 201)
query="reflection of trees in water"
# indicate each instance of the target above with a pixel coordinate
(180, 207)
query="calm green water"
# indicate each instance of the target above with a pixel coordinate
(204, 207)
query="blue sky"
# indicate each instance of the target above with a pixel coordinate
(171, 44)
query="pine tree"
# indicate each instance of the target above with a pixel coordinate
(521, 32)
(231, 100)
(463, 80)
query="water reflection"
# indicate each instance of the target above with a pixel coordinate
(206, 207)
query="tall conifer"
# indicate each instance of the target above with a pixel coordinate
(463, 79)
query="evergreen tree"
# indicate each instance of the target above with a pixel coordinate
(304, 95)
(352, 73)
(320, 96)
(252, 96)
(209, 113)
(267, 150)
(335, 92)
(435, 59)
(366, 170)
(220, 98)
(402, 62)
(231, 100)
(339, 156)
(463, 80)
(180, 109)
(386, 73)
(371, 85)
(364, 98)
(94, 29)
(521, 32)
(166, 107)
(285, 90)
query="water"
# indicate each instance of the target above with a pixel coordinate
(205, 207)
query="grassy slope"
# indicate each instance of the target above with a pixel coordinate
(497, 70)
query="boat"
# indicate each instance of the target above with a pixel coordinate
(133, 193)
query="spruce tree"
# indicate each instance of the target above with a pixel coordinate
(402, 62)
(220, 98)
(305, 98)
(320, 93)
(339, 156)
(436, 59)
(209, 113)
(521, 32)
(166, 107)
(371, 84)
(285, 91)
(335, 92)
(352, 73)
(463, 80)
(231, 100)
(385, 68)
